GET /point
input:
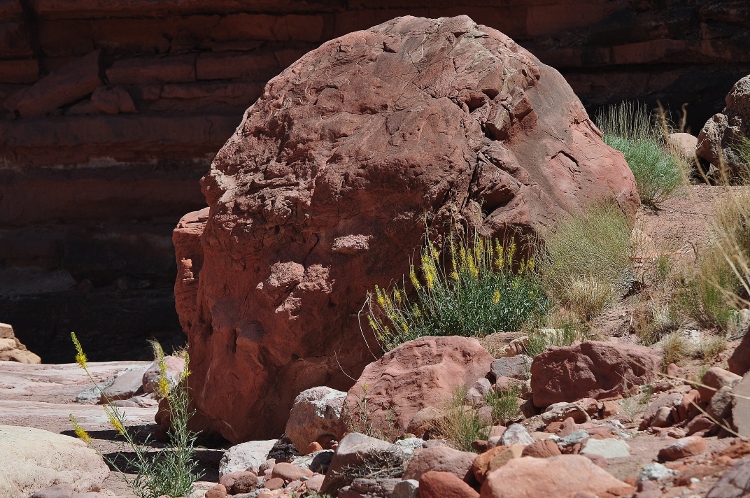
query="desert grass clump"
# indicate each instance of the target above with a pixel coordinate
(653, 320)
(504, 404)
(484, 286)
(628, 127)
(586, 262)
(461, 424)
(710, 347)
(722, 282)
(676, 348)
(171, 471)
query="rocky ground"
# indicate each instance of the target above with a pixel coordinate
(647, 441)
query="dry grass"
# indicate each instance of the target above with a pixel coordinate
(586, 263)
(676, 348)
(461, 425)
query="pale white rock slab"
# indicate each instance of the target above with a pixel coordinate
(35, 459)
(608, 448)
(246, 456)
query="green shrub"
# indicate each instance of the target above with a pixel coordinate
(628, 128)
(504, 404)
(655, 170)
(171, 471)
(586, 262)
(477, 294)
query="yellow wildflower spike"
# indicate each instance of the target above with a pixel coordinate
(80, 355)
(80, 432)
(413, 277)
(496, 297)
(116, 423)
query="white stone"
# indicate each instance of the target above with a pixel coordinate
(316, 412)
(408, 488)
(249, 455)
(34, 459)
(608, 448)
(516, 434)
(655, 472)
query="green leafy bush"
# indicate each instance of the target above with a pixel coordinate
(628, 128)
(479, 293)
(586, 262)
(171, 471)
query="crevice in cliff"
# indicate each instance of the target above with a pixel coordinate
(30, 20)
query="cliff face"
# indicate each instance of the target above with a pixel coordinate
(114, 109)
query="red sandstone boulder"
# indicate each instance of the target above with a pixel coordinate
(417, 374)
(739, 362)
(324, 189)
(590, 369)
(559, 476)
(720, 136)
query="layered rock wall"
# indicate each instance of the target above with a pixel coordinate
(113, 110)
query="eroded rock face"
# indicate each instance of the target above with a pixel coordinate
(724, 132)
(590, 369)
(328, 184)
(425, 372)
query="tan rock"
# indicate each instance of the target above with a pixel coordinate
(36, 459)
(562, 476)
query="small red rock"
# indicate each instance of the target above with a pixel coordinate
(687, 446)
(274, 483)
(434, 484)
(289, 472)
(699, 425)
(610, 408)
(313, 447)
(315, 483)
(245, 483)
(542, 449)
(673, 370)
(568, 427)
(218, 491)
(229, 479)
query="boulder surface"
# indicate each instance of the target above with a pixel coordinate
(590, 369)
(36, 459)
(329, 183)
(425, 372)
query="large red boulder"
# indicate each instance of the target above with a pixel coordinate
(591, 369)
(328, 184)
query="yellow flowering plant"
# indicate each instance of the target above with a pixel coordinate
(474, 287)
(169, 472)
